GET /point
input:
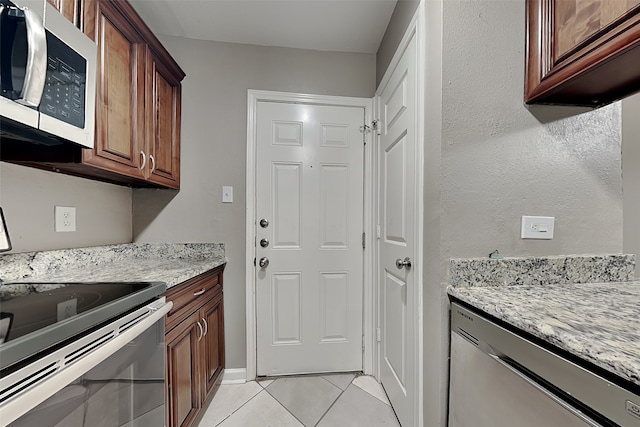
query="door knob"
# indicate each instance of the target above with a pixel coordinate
(264, 223)
(405, 263)
(264, 243)
(264, 262)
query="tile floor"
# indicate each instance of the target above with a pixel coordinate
(311, 400)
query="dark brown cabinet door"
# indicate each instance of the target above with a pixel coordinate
(195, 345)
(163, 121)
(183, 386)
(212, 344)
(119, 144)
(582, 52)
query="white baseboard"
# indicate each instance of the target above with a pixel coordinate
(234, 376)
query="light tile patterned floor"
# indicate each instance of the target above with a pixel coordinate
(310, 400)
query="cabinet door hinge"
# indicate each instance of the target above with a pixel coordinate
(364, 237)
(363, 343)
(378, 335)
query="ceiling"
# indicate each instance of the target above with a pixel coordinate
(329, 25)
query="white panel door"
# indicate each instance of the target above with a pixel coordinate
(397, 186)
(309, 188)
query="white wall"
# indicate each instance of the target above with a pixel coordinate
(28, 195)
(491, 160)
(214, 123)
(631, 174)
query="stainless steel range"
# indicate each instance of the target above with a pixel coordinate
(82, 354)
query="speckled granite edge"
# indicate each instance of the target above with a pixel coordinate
(541, 270)
(34, 264)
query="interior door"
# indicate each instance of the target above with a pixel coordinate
(397, 186)
(309, 206)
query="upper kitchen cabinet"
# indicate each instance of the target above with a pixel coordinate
(138, 97)
(138, 105)
(582, 52)
(120, 102)
(163, 100)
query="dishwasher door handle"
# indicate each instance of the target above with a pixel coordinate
(566, 405)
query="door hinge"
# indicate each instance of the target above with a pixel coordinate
(363, 343)
(364, 237)
(378, 335)
(378, 231)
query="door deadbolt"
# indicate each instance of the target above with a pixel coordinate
(264, 223)
(264, 243)
(264, 262)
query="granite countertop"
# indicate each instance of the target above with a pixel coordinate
(169, 263)
(597, 322)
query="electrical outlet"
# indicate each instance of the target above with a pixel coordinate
(65, 218)
(537, 227)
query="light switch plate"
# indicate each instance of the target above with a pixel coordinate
(65, 217)
(227, 194)
(537, 227)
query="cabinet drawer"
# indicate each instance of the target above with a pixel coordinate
(189, 296)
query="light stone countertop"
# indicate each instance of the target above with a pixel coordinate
(598, 322)
(161, 262)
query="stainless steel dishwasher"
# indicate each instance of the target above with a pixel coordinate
(499, 378)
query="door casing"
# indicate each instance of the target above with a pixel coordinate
(369, 314)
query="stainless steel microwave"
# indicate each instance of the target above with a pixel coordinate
(47, 74)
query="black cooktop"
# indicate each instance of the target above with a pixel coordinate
(36, 316)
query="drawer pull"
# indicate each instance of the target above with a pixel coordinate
(197, 294)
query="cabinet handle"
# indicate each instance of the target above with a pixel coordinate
(153, 163)
(206, 327)
(144, 160)
(197, 294)
(201, 331)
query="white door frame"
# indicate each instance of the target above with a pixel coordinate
(368, 321)
(416, 27)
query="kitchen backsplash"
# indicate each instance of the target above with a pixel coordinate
(541, 270)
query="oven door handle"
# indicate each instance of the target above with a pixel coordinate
(32, 396)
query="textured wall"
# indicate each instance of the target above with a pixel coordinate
(631, 174)
(214, 139)
(27, 196)
(499, 160)
(400, 19)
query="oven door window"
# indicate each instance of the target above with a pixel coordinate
(127, 388)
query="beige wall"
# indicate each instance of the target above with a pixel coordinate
(631, 174)
(27, 197)
(490, 160)
(214, 134)
(400, 19)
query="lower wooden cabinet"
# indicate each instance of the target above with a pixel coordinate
(195, 345)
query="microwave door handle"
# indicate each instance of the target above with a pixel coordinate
(36, 71)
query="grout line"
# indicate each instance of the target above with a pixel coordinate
(239, 407)
(334, 402)
(285, 408)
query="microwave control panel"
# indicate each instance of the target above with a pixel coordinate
(64, 90)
